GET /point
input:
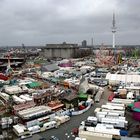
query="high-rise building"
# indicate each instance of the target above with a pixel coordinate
(84, 43)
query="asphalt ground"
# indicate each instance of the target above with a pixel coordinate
(64, 132)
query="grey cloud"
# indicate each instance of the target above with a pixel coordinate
(35, 22)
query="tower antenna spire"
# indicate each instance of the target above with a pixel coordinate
(113, 21)
(113, 29)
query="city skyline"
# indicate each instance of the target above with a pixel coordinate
(34, 22)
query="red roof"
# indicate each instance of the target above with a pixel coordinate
(3, 77)
(57, 106)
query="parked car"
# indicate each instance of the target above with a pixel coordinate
(75, 131)
(110, 98)
(26, 136)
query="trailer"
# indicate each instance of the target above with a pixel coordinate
(125, 101)
(34, 112)
(117, 122)
(113, 107)
(101, 132)
(113, 115)
(108, 129)
(98, 96)
(18, 100)
(100, 113)
(4, 96)
(121, 113)
(20, 130)
(62, 119)
(34, 129)
(25, 97)
(90, 135)
(49, 125)
(115, 104)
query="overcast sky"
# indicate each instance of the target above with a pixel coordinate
(37, 22)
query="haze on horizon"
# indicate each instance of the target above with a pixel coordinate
(37, 22)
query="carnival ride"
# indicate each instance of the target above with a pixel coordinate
(9, 71)
(108, 56)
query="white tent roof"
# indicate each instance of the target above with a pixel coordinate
(124, 78)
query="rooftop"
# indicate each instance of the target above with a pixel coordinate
(27, 113)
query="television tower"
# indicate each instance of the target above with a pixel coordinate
(113, 30)
(92, 41)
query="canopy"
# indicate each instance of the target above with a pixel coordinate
(33, 85)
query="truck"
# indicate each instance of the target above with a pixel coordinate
(91, 123)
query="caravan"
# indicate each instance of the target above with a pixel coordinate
(62, 119)
(49, 125)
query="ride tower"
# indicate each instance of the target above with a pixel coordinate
(9, 70)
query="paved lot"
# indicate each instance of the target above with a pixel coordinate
(64, 131)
